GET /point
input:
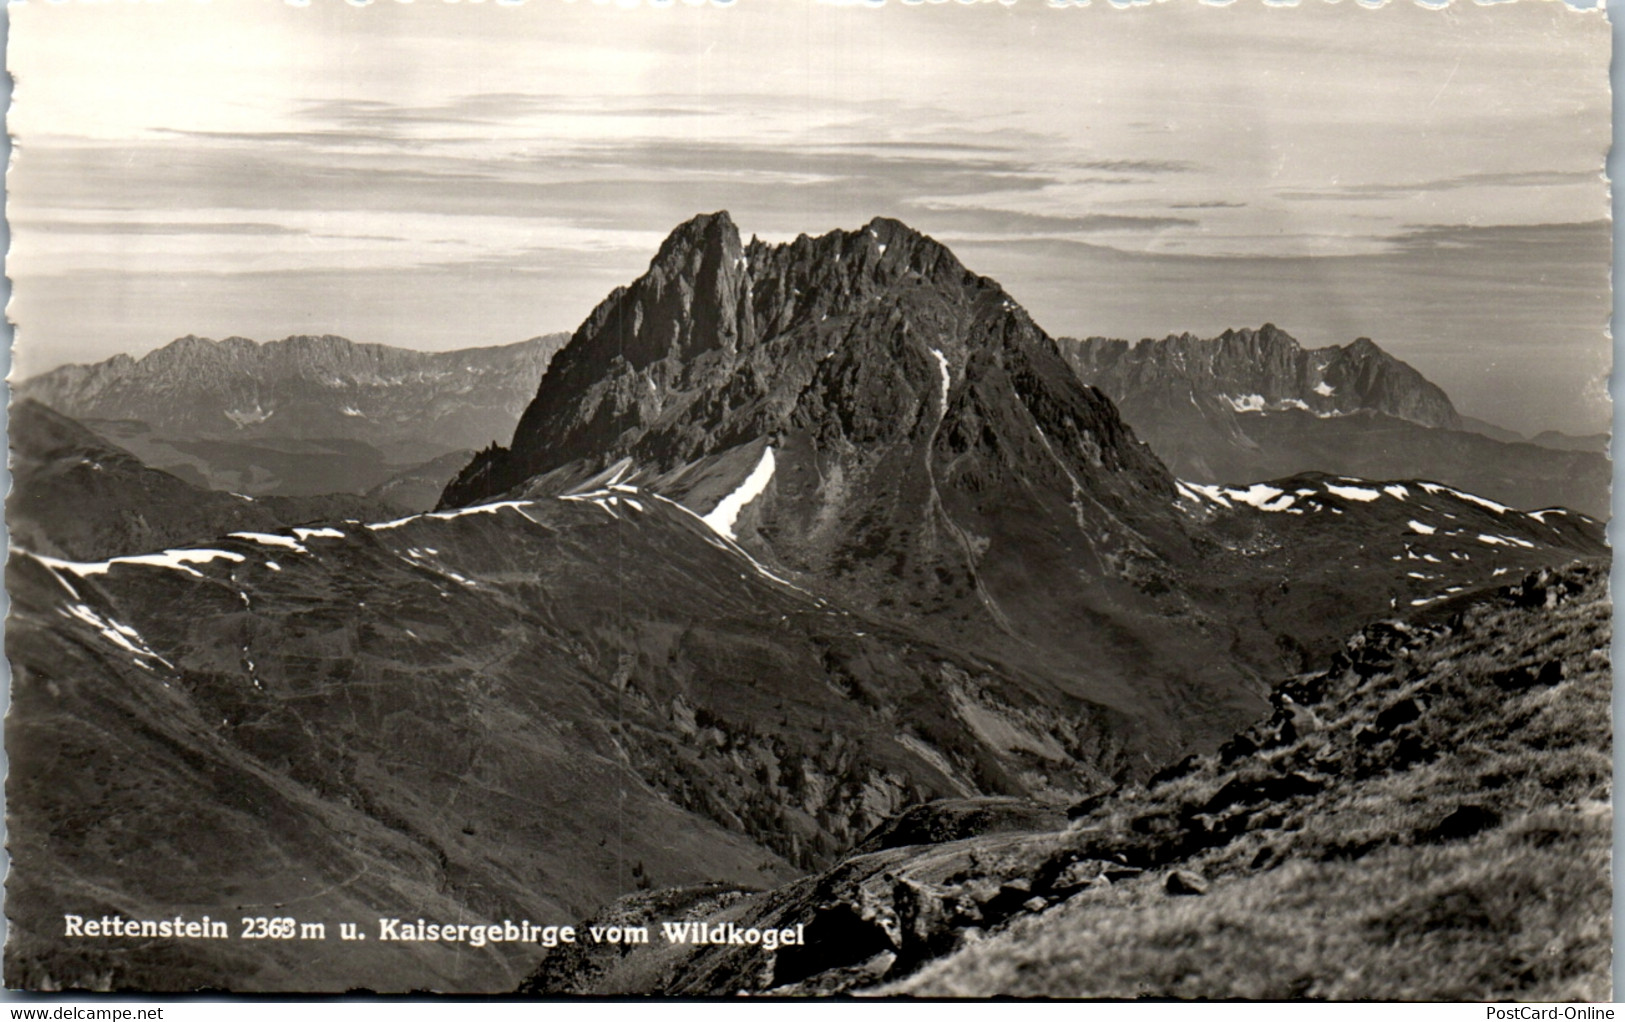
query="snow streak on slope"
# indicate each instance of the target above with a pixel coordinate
(947, 380)
(726, 513)
(174, 559)
(443, 516)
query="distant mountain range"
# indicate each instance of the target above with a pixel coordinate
(1251, 405)
(316, 415)
(77, 496)
(790, 540)
(1266, 370)
(301, 416)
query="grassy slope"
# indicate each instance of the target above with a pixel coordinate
(1440, 830)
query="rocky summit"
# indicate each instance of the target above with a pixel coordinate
(1250, 405)
(302, 416)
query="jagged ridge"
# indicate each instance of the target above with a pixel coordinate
(305, 387)
(1267, 367)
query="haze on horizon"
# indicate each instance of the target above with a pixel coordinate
(436, 175)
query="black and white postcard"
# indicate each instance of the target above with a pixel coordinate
(854, 499)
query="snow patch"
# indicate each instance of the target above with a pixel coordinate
(321, 533)
(1256, 403)
(1505, 541)
(268, 539)
(1396, 491)
(274, 566)
(1436, 489)
(1322, 389)
(947, 380)
(723, 517)
(1245, 403)
(1212, 493)
(354, 413)
(723, 542)
(1263, 497)
(177, 560)
(120, 635)
(1419, 527)
(478, 509)
(1359, 493)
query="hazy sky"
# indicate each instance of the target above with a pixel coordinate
(443, 175)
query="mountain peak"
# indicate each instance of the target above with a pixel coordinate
(707, 232)
(863, 343)
(886, 228)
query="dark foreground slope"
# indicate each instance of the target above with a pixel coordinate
(531, 708)
(1254, 404)
(515, 711)
(1427, 819)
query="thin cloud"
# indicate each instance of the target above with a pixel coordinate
(483, 109)
(1369, 192)
(1505, 237)
(116, 227)
(1139, 166)
(330, 139)
(983, 220)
